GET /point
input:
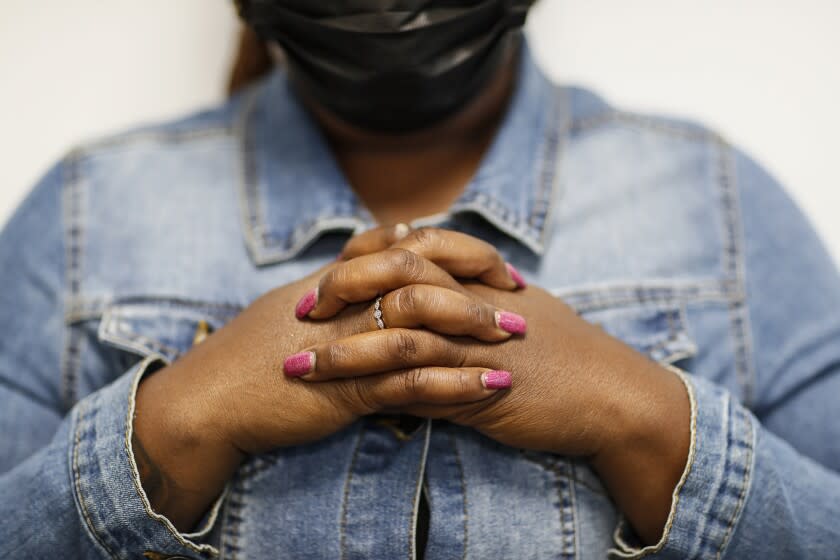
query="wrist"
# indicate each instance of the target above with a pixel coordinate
(183, 465)
(646, 452)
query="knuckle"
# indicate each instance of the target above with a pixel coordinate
(410, 263)
(476, 313)
(407, 299)
(415, 382)
(462, 383)
(334, 356)
(457, 355)
(360, 396)
(425, 237)
(365, 396)
(402, 347)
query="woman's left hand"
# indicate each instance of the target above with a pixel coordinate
(576, 391)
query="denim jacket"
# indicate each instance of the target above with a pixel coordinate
(656, 229)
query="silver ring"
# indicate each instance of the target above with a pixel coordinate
(377, 313)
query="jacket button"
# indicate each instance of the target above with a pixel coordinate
(202, 330)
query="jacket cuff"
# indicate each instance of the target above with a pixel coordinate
(710, 496)
(107, 483)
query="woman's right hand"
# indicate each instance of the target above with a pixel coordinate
(228, 397)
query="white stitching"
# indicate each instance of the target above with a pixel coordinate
(742, 495)
(734, 267)
(73, 248)
(78, 483)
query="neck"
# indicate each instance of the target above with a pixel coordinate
(401, 177)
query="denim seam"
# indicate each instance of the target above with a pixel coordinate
(73, 253)
(622, 552)
(89, 149)
(342, 535)
(256, 465)
(734, 269)
(562, 472)
(547, 464)
(132, 341)
(77, 483)
(575, 532)
(262, 249)
(747, 477)
(675, 320)
(250, 210)
(568, 518)
(305, 235)
(664, 303)
(83, 309)
(135, 474)
(457, 455)
(177, 302)
(412, 542)
(615, 295)
(229, 547)
(510, 225)
(71, 363)
(656, 124)
(553, 145)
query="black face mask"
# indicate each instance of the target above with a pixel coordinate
(390, 65)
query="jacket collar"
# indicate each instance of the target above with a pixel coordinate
(292, 189)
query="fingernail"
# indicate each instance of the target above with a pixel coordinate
(400, 231)
(299, 364)
(495, 379)
(517, 277)
(511, 322)
(306, 303)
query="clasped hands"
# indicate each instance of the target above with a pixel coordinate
(455, 344)
(465, 340)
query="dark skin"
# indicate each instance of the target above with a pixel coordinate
(594, 397)
(434, 165)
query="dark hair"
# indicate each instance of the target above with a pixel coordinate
(251, 63)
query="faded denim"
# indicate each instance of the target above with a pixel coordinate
(655, 228)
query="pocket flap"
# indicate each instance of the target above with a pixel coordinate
(658, 332)
(162, 327)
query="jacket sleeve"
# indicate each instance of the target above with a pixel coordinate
(763, 479)
(68, 481)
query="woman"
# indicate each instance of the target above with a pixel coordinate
(565, 331)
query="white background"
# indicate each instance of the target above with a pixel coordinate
(763, 72)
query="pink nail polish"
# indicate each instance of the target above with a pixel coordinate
(496, 379)
(511, 322)
(517, 277)
(306, 303)
(299, 364)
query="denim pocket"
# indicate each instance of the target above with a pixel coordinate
(659, 333)
(649, 318)
(160, 326)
